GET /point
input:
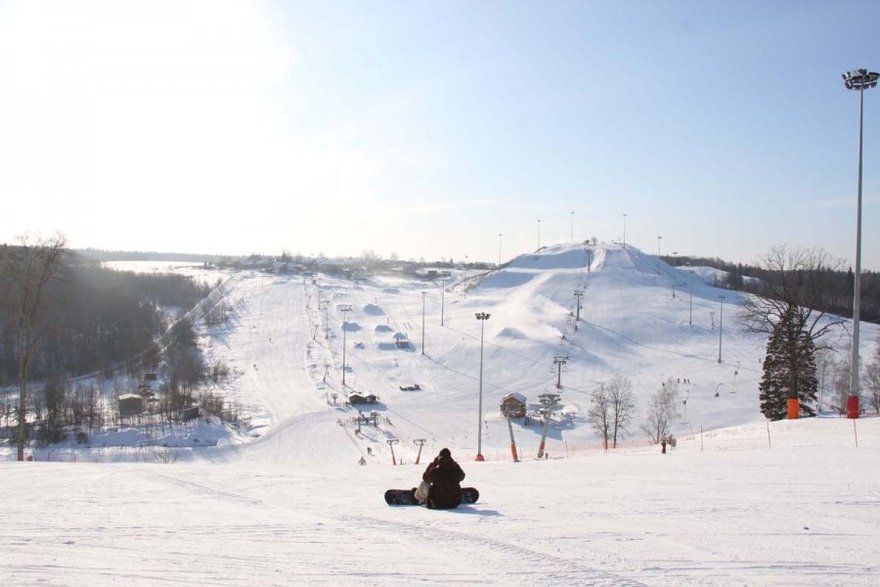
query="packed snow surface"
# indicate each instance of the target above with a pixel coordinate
(737, 501)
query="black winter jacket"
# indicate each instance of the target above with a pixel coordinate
(444, 475)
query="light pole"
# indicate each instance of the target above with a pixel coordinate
(442, 300)
(424, 294)
(345, 311)
(659, 238)
(539, 234)
(624, 231)
(691, 308)
(572, 226)
(861, 80)
(482, 317)
(720, 327)
(499, 248)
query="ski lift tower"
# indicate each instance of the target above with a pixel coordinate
(549, 403)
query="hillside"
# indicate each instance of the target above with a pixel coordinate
(288, 333)
(738, 501)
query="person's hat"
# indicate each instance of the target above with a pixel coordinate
(444, 452)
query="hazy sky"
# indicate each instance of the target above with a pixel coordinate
(426, 129)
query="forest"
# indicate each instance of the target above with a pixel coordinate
(98, 319)
(95, 324)
(836, 284)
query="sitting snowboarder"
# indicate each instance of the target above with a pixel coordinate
(440, 487)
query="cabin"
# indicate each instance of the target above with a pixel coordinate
(190, 413)
(130, 404)
(356, 397)
(513, 405)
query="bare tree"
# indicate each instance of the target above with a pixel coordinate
(662, 410)
(612, 409)
(28, 269)
(795, 284)
(599, 414)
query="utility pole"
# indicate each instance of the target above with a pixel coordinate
(559, 362)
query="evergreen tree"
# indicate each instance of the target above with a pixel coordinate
(789, 369)
(771, 389)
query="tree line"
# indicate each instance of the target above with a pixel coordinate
(835, 280)
(95, 319)
(62, 316)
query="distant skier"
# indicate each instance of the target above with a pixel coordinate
(440, 487)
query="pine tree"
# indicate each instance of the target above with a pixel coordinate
(789, 369)
(771, 390)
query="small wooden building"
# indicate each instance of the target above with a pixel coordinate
(130, 404)
(356, 397)
(513, 405)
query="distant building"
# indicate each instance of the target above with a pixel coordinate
(359, 398)
(513, 405)
(130, 404)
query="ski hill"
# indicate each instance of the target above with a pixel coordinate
(639, 318)
(739, 500)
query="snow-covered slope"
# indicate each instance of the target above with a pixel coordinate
(738, 501)
(640, 319)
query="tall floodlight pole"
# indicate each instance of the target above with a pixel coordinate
(691, 311)
(659, 238)
(572, 226)
(442, 300)
(861, 80)
(624, 231)
(720, 327)
(345, 311)
(482, 317)
(499, 248)
(539, 233)
(424, 294)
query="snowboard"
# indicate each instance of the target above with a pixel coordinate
(405, 496)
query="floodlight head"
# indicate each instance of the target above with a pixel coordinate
(482, 316)
(860, 79)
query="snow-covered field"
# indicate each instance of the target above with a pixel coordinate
(738, 501)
